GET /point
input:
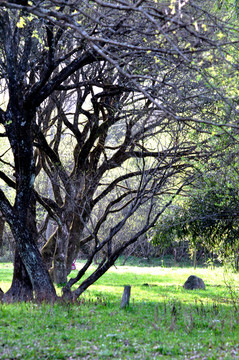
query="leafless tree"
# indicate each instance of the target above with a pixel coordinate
(128, 83)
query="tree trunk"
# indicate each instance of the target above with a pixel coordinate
(34, 265)
(21, 288)
(48, 250)
(61, 249)
(195, 258)
(59, 270)
(74, 243)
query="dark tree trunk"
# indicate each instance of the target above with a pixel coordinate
(34, 265)
(21, 288)
(18, 125)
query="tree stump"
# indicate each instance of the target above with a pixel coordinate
(125, 297)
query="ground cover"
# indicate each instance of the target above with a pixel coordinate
(162, 321)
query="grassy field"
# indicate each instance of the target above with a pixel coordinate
(163, 321)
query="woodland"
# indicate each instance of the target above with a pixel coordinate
(118, 123)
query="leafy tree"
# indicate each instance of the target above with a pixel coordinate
(208, 217)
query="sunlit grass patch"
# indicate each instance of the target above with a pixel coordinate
(163, 319)
(164, 283)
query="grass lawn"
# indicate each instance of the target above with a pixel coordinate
(163, 321)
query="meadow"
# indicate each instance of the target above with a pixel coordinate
(163, 320)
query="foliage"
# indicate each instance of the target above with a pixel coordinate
(207, 217)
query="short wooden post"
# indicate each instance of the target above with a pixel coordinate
(125, 297)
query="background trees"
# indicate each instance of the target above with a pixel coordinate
(112, 101)
(207, 218)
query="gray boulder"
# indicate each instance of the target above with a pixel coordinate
(194, 282)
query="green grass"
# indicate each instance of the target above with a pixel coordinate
(163, 321)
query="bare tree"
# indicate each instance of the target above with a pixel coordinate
(121, 79)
